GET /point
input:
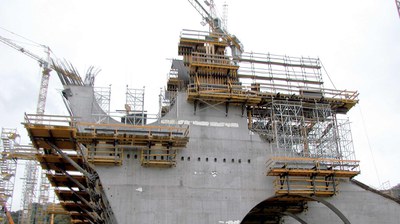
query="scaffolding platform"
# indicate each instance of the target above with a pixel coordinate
(306, 185)
(340, 101)
(67, 149)
(158, 156)
(195, 41)
(254, 79)
(60, 180)
(278, 166)
(57, 162)
(309, 176)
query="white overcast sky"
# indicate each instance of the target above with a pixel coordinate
(358, 42)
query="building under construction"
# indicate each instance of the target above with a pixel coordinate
(240, 137)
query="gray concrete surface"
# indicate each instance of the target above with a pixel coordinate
(218, 178)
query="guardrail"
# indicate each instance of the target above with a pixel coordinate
(267, 90)
(53, 120)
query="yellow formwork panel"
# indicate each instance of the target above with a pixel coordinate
(188, 42)
(299, 166)
(305, 193)
(311, 172)
(245, 94)
(304, 185)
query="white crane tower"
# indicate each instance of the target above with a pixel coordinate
(45, 64)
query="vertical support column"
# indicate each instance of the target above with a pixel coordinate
(195, 106)
(250, 119)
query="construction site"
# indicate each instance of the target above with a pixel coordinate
(239, 137)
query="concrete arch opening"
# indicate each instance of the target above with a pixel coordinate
(274, 208)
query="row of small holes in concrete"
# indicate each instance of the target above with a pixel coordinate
(215, 160)
(198, 159)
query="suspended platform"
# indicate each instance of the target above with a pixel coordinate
(309, 176)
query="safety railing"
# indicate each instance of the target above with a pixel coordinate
(211, 59)
(104, 155)
(282, 60)
(53, 120)
(312, 166)
(319, 186)
(121, 129)
(267, 90)
(158, 157)
(203, 36)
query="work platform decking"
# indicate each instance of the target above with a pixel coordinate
(309, 176)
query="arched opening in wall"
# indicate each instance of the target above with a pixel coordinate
(273, 209)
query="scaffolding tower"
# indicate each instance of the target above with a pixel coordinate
(8, 169)
(134, 107)
(29, 192)
(102, 97)
(43, 201)
(14, 154)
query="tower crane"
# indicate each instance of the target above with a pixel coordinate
(215, 24)
(45, 64)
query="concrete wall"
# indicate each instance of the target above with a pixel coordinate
(218, 178)
(221, 190)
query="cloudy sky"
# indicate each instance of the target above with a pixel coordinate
(358, 42)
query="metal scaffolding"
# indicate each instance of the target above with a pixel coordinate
(103, 98)
(44, 191)
(8, 169)
(297, 129)
(134, 107)
(29, 192)
(11, 153)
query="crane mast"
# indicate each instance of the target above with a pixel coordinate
(215, 25)
(41, 104)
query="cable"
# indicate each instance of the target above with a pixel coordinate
(21, 36)
(328, 75)
(369, 145)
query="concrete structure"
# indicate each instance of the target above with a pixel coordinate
(219, 177)
(240, 138)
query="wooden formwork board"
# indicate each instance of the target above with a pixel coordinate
(68, 195)
(226, 97)
(48, 131)
(59, 180)
(71, 206)
(340, 105)
(158, 163)
(61, 136)
(57, 163)
(305, 193)
(311, 172)
(300, 166)
(189, 42)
